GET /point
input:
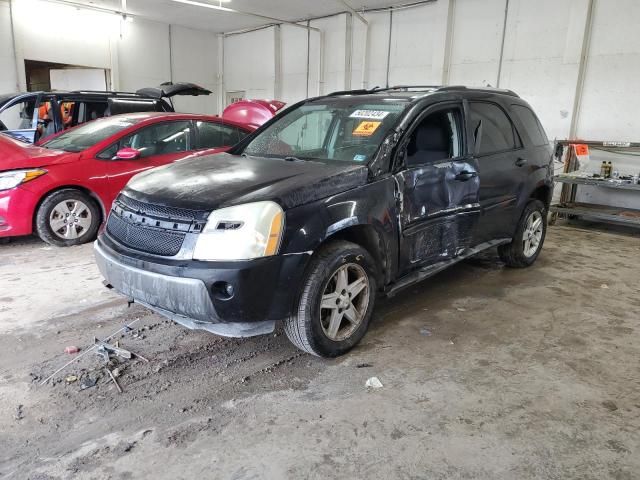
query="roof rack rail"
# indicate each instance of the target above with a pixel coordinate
(360, 91)
(407, 87)
(433, 88)
(108, 92)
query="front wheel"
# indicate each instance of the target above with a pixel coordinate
(67, 217)
(336, 303)
(529, 238)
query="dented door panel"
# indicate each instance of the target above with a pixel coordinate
(439, 209)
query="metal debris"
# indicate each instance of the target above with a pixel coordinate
(88, 382)
(114, 380)
(105, 349)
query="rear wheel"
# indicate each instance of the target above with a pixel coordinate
(529, 238)
(67, 217)
(336, 303)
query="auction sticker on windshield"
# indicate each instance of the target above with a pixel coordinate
(366, 129)
(371, 114)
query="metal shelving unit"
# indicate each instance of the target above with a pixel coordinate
(570, 180)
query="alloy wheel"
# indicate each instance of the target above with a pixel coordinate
(532, 234)
(344, 302)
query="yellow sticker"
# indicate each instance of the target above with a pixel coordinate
(366, 129)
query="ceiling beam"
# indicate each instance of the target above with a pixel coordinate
(210, 6)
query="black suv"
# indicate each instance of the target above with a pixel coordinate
(33, 116)
(334, 201)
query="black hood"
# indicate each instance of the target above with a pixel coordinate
(214, 181)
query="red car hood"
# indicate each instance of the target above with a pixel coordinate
(15, 154)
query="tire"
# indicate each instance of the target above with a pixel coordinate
(516, 254)
(310, 328)
(62, 207)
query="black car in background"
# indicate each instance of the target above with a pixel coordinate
(36, 115)
(334, 201)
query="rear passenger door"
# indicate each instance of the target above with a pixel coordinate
(501, 166)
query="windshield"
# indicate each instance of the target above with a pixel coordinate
(331, 129)
(88, 135)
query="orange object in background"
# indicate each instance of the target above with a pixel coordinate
(581, 150)
(43, 110)
(66, 111)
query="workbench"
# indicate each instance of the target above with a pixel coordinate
(572, 178)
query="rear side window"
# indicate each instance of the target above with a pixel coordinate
(214, 135)
(498, 133)
(91, 111)
(531, 124)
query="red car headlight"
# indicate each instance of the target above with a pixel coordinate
(13, 178)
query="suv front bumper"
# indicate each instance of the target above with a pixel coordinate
(185, 292)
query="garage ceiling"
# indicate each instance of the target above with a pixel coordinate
(219, 21)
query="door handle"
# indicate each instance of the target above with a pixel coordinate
(465, 175)
(520, 162)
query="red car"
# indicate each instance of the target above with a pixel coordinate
(63, 189)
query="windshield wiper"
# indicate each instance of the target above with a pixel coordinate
(293, 159)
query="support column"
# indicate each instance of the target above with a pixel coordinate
(582, 67)
(277, 62)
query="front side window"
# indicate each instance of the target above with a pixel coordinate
(215, 135)
(86, 136)
(498, 133)
(335, 129)
(436, 138)
(18, 116)
(160, 139)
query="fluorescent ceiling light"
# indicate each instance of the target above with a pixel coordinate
(206, 5)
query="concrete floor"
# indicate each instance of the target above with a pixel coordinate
(488, 373)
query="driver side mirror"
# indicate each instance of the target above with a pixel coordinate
(128, 154)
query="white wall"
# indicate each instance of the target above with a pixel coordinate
(8, 77)
(137, 53)
(87, 44)
(249, 63)
(294, 64)
(199, 65)
(143, 55)
(543, 42)
(611, 101)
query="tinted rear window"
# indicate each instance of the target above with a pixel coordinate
(498, 133)
(531, 124)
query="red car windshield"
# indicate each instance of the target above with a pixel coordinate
(87, 135)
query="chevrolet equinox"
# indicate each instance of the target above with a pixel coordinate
(334, 201)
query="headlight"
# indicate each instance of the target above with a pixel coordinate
(16, 177)
(243, 232)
